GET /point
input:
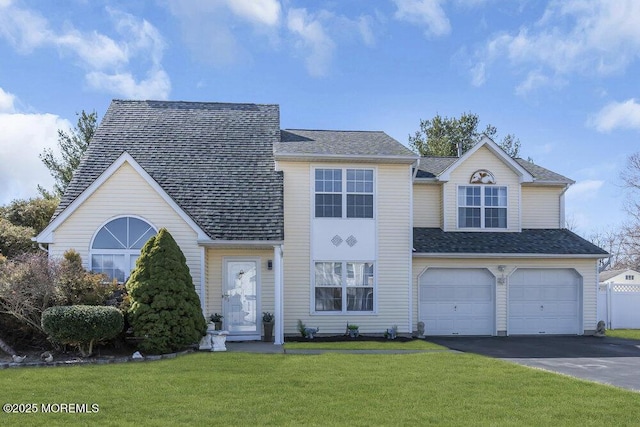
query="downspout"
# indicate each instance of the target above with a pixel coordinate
(203, 282)
(278, 294)
(410, 249)
(415, 170)
(43, 248)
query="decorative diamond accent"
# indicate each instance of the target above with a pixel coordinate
(351, 241)
(337, 240)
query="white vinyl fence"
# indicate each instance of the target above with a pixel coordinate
(619, 305)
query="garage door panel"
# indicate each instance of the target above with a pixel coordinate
(544, 301)
(457, 302)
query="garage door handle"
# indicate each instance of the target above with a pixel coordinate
(542, 308)
(455, 308)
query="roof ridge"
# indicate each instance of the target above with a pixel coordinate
(332, 130)
(132, 101)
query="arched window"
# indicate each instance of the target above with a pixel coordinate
(116, 246)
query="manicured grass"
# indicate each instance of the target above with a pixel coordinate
(329, 389)
(364, 345)
(632, 334)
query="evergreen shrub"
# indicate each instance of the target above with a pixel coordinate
(82, 325)
(165, 309)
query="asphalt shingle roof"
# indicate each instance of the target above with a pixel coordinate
(340, 143)
(215, 160)
(432, 167)
(529, 241)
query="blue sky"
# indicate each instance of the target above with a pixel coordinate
(562, 76)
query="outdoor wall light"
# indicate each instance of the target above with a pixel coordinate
(269, 265)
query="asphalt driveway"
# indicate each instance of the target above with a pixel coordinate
(606, 360)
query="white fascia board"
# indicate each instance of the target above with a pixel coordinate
(46, 235)
(345, 158)
(498, 255)
(495, 149)
(427, 181)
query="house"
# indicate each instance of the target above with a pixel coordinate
(620, 277)
(329, 227)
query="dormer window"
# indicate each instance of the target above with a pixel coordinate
(482, 206)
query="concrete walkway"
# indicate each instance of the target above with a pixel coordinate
(254, 347)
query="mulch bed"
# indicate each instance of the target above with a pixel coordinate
(341, 338)
(101, 354)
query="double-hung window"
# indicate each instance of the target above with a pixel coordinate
(334, 199)
(344, 286)
(482, 206)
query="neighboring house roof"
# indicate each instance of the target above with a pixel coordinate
(527, 242)
(214, 159)
(432, 167)
(331, 144)
(610, 274)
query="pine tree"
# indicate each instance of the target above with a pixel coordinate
(165, 309)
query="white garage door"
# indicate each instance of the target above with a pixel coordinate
(544, 301)
(457, 301)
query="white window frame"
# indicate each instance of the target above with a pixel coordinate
(483, 207)
(344, 286)
(127, 253)
(344, 192)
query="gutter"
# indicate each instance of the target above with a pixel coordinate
(344, 157)
(239, 243)
(503, 255)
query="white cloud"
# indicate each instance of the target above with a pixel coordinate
(156, 86)
(478, 74)
(99, 54)
(227, 32)
(23, 138)
(534, 80)
(313, 40)
(427, 13)
(265, 12)
(366, 31)
(598, 37)
(618, 115)
(584, 190)
(6, 102)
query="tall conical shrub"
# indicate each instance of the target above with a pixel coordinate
(165, 309)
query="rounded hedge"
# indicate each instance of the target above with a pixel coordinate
(82, 325)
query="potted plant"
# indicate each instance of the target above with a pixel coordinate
(216, 319)
(267, 323)
(353, 330)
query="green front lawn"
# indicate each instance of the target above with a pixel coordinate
(328, 389)
(632, 334)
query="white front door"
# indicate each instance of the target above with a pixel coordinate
(240, 299)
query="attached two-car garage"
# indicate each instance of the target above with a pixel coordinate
(455, 301)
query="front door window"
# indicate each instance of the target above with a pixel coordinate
(241, 297)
